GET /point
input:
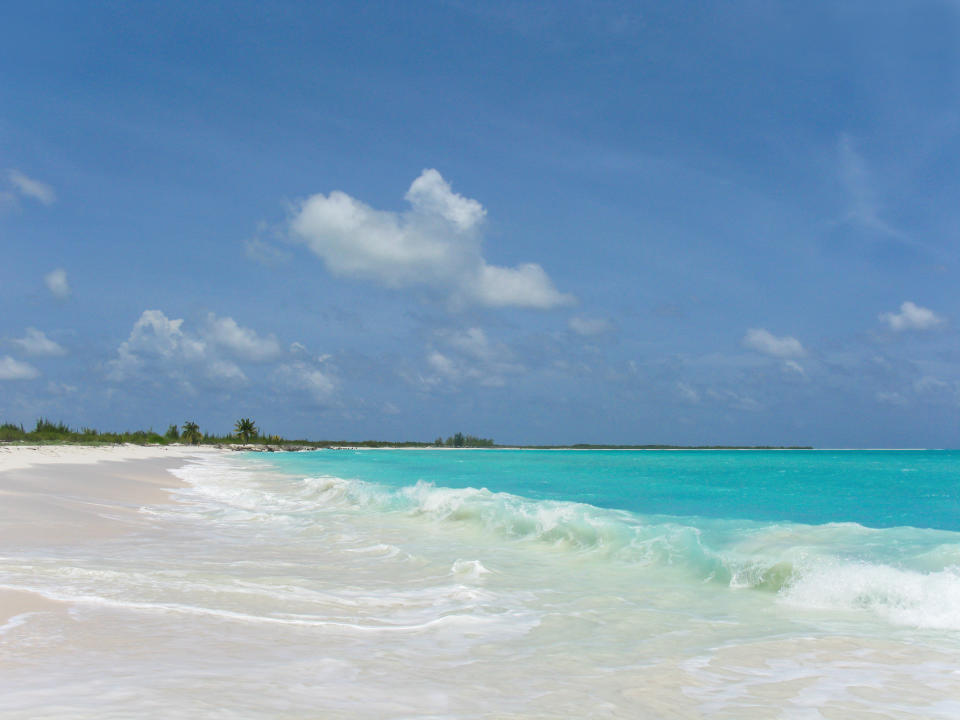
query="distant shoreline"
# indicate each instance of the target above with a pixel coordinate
(378, 445)
(268, 447)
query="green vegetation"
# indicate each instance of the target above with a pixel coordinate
(191, 433)
(460, 440)
(245, 429)
(46, 432)
(246, 433)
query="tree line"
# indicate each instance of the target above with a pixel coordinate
(460, 440)
(245, 432)
(46, 431)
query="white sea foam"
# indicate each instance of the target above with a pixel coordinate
(804, 565)
(904, 597)
(472, 569)
(15, 622)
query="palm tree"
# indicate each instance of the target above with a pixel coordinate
(191, 433)
(245, 429)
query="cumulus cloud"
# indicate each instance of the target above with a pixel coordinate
(241, 341)
(155, 336)
(911, 317)
(443, 366)
(162, 347)
(469, 356)
(431, 195)
(56, 282)
(436, 243)
(767, 343)
(35, 342)
(11, 369)
(474, 343)
(584, 325)
(29, 188)
(160, 343)
(317, 383)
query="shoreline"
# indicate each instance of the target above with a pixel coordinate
(21, 457)
(58, 495)
(54, 495)
(309, 448)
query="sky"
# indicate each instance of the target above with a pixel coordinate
(606, 222)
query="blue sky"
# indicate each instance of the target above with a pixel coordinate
(559, 222)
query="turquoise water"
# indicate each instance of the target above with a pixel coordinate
(869, 532)
(880, 489)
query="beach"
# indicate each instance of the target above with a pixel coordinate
(190, 582)
(68, 495)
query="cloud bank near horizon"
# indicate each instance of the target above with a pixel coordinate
(159, 347)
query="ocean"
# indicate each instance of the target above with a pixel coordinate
(514, 584)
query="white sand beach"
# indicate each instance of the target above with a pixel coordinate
(55, 495)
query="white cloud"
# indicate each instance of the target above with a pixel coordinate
(58, 388)
(437, 243)
(431, 195)
(37, 343)
(912, 317)
(244, 342)
(687, 393)
(767, 343)
(443, 365)
(11, 369)
(30, 188)
(525, 285)
(935, 390)
(863, 207)
(583, 325)
(161, 343)
(161, 347)
(734, 400)
(153, 334)
(156, 334)
(474, 343)
(320, 385)
(265, 253)
(225, 371)
(469, 355)
(792, 366)
(56, 282)
(930, 384)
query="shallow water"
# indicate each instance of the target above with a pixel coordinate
(393, 584)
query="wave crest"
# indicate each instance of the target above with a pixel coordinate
(907, 576)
